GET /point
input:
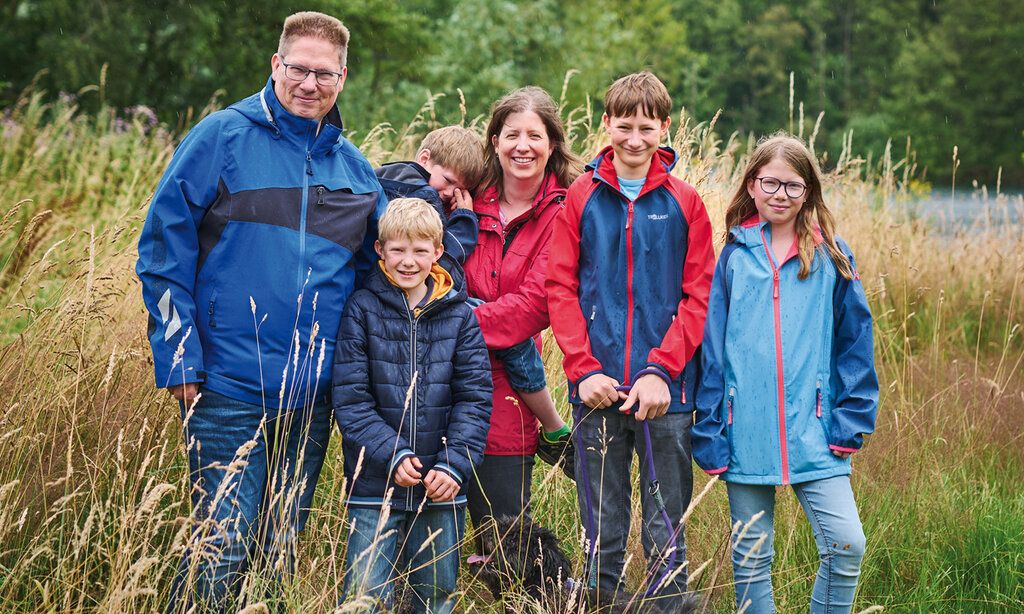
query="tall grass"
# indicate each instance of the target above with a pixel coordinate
(93, 485)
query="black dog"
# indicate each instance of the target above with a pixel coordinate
(522, 553)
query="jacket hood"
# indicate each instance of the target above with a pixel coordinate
(406, 172)
(662, 163)
(264, 109)
(749, 232)
(449, 287)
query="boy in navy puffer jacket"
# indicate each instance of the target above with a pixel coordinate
(412, 396)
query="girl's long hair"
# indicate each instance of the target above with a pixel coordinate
(563, 162)
(791, 150)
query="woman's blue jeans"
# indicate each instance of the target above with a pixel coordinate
(253, 477)
(832, 512)
(378, 553)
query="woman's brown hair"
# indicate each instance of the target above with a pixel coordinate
(563, 162)
(814, 212)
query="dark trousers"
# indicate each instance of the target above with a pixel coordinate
(605, 443)
(501, 487)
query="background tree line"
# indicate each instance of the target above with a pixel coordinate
(945, 72)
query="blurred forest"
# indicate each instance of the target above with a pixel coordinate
(946, 72)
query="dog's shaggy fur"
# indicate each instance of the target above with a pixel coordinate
(521, 553)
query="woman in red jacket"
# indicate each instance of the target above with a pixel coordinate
(528, 167)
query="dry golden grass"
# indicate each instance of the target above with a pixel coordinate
(93, 486)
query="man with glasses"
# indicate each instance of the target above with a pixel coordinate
(253, 241)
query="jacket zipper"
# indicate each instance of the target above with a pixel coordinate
(302, 217)
(412, 404)
(629, 292)
(728, 405)
(777, 308)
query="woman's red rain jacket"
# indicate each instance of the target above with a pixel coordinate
(507, 270)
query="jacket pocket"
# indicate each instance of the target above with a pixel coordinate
(819, 407)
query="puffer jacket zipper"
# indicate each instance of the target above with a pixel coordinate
(413, 319)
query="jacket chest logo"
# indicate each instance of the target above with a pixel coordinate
(656, 217)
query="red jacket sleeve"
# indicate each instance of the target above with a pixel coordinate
(516, 316)
(563, 283)
(687, 330)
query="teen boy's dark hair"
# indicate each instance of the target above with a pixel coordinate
(639, 90)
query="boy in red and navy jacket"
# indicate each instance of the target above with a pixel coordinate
(628, 281)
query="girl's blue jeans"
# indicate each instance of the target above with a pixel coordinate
(832, 512)
(421, 546)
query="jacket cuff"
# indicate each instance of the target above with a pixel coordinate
(457, 211)
(399, 457)
(450, 471)
(653, 368)
(842, 449)
(717, 471)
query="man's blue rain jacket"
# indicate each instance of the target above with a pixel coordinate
(250, 249)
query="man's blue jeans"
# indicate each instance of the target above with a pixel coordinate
(381, 550)
(831, 510)
(605, 443)
(252, 479)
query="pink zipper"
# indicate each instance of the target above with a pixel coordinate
(777, 308)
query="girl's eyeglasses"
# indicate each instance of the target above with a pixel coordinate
(771, 185)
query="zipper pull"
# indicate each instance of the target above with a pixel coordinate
(682, 396)
(309, 163)
(593, 313)
(320, 195)
(817, 409)
(732, 393)
(629, 214)
(775, 279)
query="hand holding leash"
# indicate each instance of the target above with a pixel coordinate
(600, 391)
(652, 395)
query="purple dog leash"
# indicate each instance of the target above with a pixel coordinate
(654, 488)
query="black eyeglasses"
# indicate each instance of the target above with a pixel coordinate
(771, 185)
(326, 78)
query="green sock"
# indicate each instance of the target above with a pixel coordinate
(554, 436)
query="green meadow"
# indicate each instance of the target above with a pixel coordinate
(93, 484)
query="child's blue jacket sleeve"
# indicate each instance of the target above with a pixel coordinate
(710, 441)
(854, 364)
(470, 418)
(460, 234)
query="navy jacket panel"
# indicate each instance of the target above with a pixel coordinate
(409, 382)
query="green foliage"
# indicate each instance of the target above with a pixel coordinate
(944, 72)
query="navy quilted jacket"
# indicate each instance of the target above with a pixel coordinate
(382, 345)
